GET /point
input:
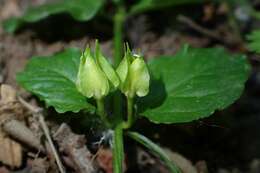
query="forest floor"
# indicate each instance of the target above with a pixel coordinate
(228, 142)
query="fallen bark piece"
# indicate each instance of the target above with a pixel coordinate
(74, 146)
(39, 165)
(10, 107)
(10, 150)
(19, 131)
(12, 121)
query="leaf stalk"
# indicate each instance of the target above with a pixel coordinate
(101, 112)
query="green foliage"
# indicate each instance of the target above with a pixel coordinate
(116, 1)
(254, 41)
(81, 10)
(185, 87)
(53, 80)
(193, 84)
(155, 149)
(147, 5)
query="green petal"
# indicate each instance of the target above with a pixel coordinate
(106, 67)
(123, 68)
(122, 71)
(92, 81)
(80, 70)
(139, 77)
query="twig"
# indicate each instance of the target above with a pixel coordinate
(207, 32)
(197, 27)
(37, 112)
(19, 131)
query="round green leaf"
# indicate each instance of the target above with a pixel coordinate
(193, 84)
(53, 80)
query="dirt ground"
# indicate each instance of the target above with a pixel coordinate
(227, 142)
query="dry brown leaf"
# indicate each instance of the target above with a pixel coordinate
(8, 94)
(10, 107)
(74, 146)
(9, 9)
(10, 150)
(39, 165)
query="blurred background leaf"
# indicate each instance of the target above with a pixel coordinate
(81, 10)
(254, 41)
(147, 5)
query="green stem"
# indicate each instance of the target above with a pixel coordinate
(119, 20)
(118, 149)
(101, 112)
(130, 114)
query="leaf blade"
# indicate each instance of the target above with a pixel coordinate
(196, 83)
(53, 79)
(154, 148)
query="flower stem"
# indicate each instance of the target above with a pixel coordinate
(130, 114)
(101, 112)
(118, 152)
(119, 20)
(118, 149)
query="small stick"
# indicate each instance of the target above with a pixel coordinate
(37, 112)
(19, 131)
(198, 28)
(207, 32)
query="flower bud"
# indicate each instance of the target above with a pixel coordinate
(139, 77)
(134, 75)
(91, 80)
(107, 68)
